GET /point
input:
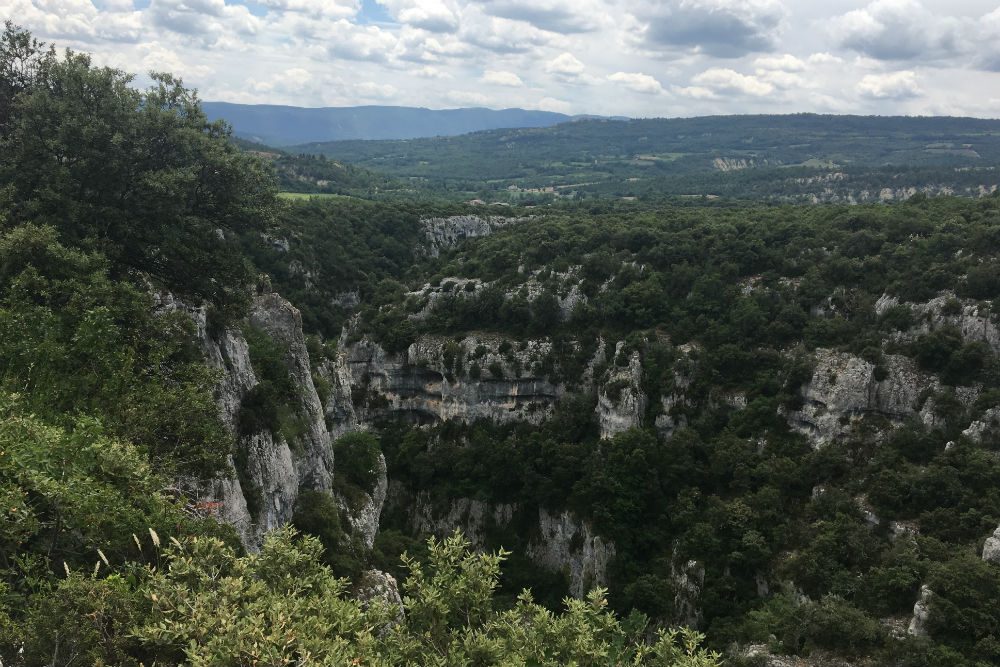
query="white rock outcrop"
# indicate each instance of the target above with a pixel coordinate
(621, 402)
(443, 233)
(569, 545)
(991, 549)
(844, 391)
(921, 613)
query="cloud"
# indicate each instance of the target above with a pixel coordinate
(78, 20)
(794, 56)
(552, 104)
(720, 28)
(375, 91)
(430, 15)
(780, 79)
(159, 58)
(724, 80)
(566, 66)
(900, 30)
(892, 86)
(203, 18)
(336, 9)
(988, 54)
(785, 63)
(638, 82)
(432, 73)
(355, 42)
(501, 78)
(824, 58)
(562, 16)
(501, 35)
(696, 93)
(466, 98)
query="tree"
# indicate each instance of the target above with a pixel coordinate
(141, 176)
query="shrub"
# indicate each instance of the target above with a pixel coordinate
(356, 459)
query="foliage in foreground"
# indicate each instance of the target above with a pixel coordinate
(202, 604)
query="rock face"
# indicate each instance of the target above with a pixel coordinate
(375, 585)
(445, 232)
(283, 323)
(991, 550)
(267, 471)
(566, 544)
(364, 518)
(434, 381)
(921, 613)
(946, 310)
(844, 390)
(689, 579)
(559, 541)
(621, 403)
(987, 424)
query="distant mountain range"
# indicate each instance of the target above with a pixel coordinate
(276, 125)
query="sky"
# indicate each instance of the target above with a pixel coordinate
(639, 58)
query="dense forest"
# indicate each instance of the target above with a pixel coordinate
(729, 311)
(241, 429)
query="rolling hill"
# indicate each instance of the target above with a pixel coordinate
(744, 156)
(286, 125)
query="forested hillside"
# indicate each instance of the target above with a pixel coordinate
(801, 157)
(121, 273)
(768, 422)
(237, 429)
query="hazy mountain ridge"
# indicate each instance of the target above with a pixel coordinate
(279, 125)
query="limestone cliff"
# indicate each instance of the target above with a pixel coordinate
(845, 390)
(621, 402)
(443, 233)
(267, 472)
(437, 379)
(556, 541)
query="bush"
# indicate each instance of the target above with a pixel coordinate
(356, 459)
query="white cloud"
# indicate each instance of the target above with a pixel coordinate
(638, 82)
(353, 42)
(501, 78)
(711, 56)
(720, 28)
(894, 85)
(566, 66)
(724, 80)
(563, 16)
(205, 19)
(433, 73)
(696, 92)
(432, 15)
(780, 79)
(159, 58)
(467, 98)
(375, 91)
(501, 35)
(336, 9)
(900, 30)
(784, 63)
(552, 104)
(824, 58)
